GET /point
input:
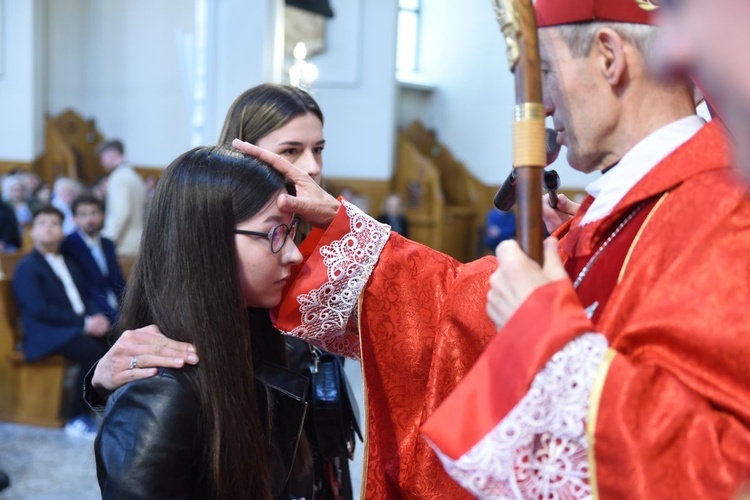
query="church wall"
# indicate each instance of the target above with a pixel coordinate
(359, 103)
(463, 55)
(21, 101)
(120, 63)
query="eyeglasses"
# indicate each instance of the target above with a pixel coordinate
(277, 236)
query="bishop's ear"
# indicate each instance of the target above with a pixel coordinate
(609, 49)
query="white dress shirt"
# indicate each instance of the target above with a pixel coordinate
(609, 189)
(57, 263)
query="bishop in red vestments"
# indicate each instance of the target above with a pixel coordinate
(628, 377)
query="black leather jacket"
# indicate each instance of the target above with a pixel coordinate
(151, 443)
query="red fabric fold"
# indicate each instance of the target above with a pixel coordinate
(550, 318)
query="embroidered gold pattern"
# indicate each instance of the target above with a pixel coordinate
(648, 5)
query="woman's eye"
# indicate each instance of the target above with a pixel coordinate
(318, 150)
(289, 152)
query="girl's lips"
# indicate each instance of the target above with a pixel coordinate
(283, 280)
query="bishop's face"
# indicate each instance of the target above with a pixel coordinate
(709, 40)
(575, 98)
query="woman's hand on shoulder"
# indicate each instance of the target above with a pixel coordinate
(138, 354)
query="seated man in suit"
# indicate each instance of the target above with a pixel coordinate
(10, 236)
(57, 314)
(95, 255)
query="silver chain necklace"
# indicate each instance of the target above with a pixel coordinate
(604, 245)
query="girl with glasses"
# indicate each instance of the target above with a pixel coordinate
(216, 252)
(287, 121)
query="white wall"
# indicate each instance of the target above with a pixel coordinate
(464, 57)
(246, 52)
(360, 116)
(132, 82)
(21, 92)
(118, 62)
(67, 59)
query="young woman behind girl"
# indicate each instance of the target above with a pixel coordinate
(287, 121)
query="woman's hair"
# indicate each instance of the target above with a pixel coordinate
(185, 280)
(260, 110)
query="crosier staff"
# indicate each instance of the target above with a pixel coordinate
(518, 23)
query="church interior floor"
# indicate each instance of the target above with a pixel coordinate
(47, 464)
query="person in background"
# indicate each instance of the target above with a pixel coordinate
(350, 195)
(99, 190)
(4, 480)
(150, 182)
(64, 191)
(31, 181)
(10, 236)
(126, 198)
(701, 38)
(41, 196)
(15, 196)
(215, 255)
(57, 313)
(95, 255)
(393, 215)
(499, 226)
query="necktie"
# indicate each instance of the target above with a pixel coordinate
(96, 252)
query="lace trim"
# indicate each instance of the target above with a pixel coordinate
(540, 450)
(329, 313)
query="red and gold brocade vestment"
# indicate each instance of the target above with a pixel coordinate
(650, 398)
(413, 316)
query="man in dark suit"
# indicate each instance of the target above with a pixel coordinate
(57, 314)
(95, 255)
(10, 236)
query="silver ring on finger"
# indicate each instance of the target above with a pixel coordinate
(134, 362)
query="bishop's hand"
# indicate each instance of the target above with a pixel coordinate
(556, 217)
(518, 276)
(312, 202)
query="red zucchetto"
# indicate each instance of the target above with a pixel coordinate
(557, 12)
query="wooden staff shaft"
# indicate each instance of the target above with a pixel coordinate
(529, 211)
(529, 146)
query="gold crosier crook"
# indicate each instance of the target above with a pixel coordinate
(518, 23)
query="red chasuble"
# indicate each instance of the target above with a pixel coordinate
(657, 403)
(417, 320)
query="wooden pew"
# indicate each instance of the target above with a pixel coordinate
(70, 148)
(417, 181)
(461, 211)
(8, 261)
(30, 393)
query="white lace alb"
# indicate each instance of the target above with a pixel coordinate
(540, 449)
(329, 313)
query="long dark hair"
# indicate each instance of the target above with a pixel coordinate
(262, 109)
(185, 280)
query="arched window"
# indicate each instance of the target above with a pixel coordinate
(407, 43)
